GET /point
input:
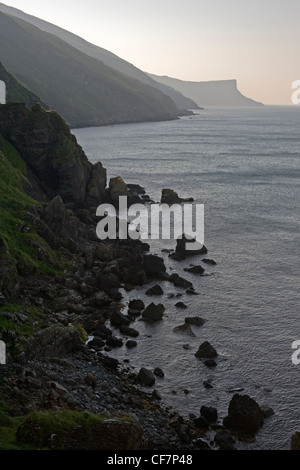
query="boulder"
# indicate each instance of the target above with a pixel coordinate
(179, 281)
(158, 372)
(184, 246)
(153, 312)
(153, 265)
(146, 377)
(244, 416)
(209, 261)
(210, 413)
(170, 197)
(117, 319)
(185, 330)
(126, 330)
(136, 304)
(195, 270)
(181, 305)
(114, 342)
(117, 188)
(54, 341)
(206, 351)
(131, 344)
(155, 290)
(224, 440)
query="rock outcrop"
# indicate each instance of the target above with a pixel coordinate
(244, 416)
(56, 162)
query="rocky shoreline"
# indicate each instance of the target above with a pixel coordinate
(60, 304)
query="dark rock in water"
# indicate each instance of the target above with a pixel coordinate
(153, 312)
(117, 188)
(156, 395)
(224, 440)
(180, 305)
(191, 292)
(110, 362)
(210, 363)
(188, 246)
(131, 344)
(146, 377)
(295, 444)
(170, 197)
(102, 331)
(196, 321)
(207, 384)
(209, 261)
(244, 416)
(134, 313)
(96, 342)
(158, 372)
(153, 265)
(136, 304)
(129, 331)
(201, 444)
(184, 329)
(155, 290)
(210, 413)
(177, 256)
(201, 422)
(118, 319)
(180, 281)
(267, 411)
(114, 342)
(195, 270)
(206, 351)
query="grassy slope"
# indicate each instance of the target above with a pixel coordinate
(82, 89)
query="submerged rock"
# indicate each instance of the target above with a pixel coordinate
(184, 329)
(196, 321)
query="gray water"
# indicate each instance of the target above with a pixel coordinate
(243, 165)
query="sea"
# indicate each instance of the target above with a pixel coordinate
(243, 164)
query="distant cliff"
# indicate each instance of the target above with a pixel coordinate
(81, 88)
(211, 93)
(16, 92)
(107, 57)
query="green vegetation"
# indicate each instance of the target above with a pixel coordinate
(16, 230)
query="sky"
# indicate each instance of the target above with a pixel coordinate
(255, 42)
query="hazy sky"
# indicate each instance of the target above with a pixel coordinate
(254, 41)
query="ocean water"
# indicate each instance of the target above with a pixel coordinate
(244, 166)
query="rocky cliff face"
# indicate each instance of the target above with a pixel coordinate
(56, 163)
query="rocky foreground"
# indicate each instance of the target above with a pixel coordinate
(60, 304)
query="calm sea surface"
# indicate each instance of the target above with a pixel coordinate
(244, 166)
